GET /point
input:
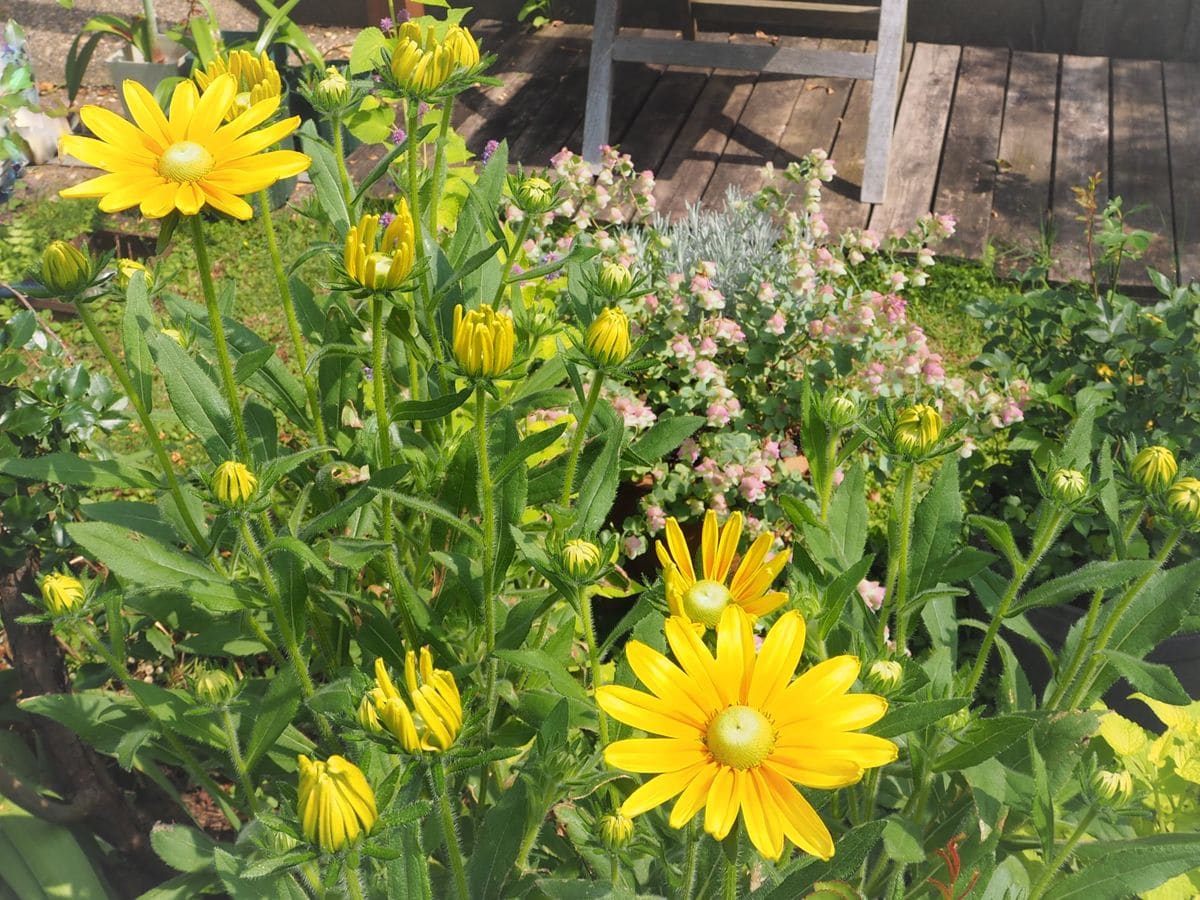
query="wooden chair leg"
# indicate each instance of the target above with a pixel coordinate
(600, 79)
(689, 20)
(881, 122)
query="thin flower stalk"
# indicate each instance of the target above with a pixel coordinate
(589, 407)
(437, 771)
(234, 748)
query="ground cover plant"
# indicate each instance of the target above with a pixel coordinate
(328, 626)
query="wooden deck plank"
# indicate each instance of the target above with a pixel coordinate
(755, 139)
(1140, 165)
(549, 131)
(920, 133)
(515, 55)
(840, 205)
(693, 157)
(1183, 103)
(1021, 201)
(1081, 151)
(818, 111)
(968, 174)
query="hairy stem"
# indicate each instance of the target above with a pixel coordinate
(1052, 867)
(449, 829)
(239, 761)
(589, 632)
(589, 407)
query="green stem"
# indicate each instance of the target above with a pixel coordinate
(239, 761)
(449, 830)
(898, 560)
(1043, 538)
(1096, 654)
(589, 633)
(289, 309)
(487, 490)
(143, 414)
(339, 153)
(731, 871)
(830, 469)
(1043, 882)
(589, 407)
(282, 620)
(902, 574)
(353, 882)
(218, 336)
(687, 885)
(185, 755)
(510, 259)
(614, 868)
(439, 166)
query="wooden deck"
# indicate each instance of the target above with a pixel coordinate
(996, 138)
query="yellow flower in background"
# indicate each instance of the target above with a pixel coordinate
(126, 269)
(738, 731)
(1105, 371)
(368, 711)
(61, 593)
(234, 483)
(334, 801)
(257, 79)
(483, 341)
(917, 429)
(381, 265)
(65, 268)
(703, 599)
(1154, 468)
(435, 719)
(187, 160)
(607, 339)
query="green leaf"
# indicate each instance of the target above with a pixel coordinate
(272, 716)
(282, 465)
(909, 717)
(1153, 679)
(142, 560)
(75, 471)
(301, 551)
(143, 518)
(1113, 870)
(599, 488)
(839, 591)
(541, 661)
(195, 398)
(183, 848)
(902, 841)
(982, 741)
(1077, 451)
(848, 518)
(1000, 535)
(325, 178)
(849, 854)
(664, 436)
(248, 364)
(139, 318)
(435, 408)
(937, 528)
(1101, 575)
(498, 842)
(367, 50)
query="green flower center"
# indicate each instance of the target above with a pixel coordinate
(241, 102)
(381, 265)
(704, 602)
(740, 737)
(185, 161)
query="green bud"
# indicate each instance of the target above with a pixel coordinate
(1068, 486)
(917, 429)
(66, 269)
(535, 195)
(615, 831)
(1153, 469)
(615, 280)
(840, 412)
(1112, 788)
(885, 676)
(1183, 501)
(214, 686)
(581, 558)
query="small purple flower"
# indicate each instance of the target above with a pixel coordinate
(398, 136)
(386, 219)
(402, 16)
(489, 148)
(386, 24)
(368, 373)
(422, 109)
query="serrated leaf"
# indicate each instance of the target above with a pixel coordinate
(908, 717)
(982, 741)
(182, 847)
(1100, 575)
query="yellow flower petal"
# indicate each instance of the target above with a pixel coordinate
(816, 686)
(659, 790)
(695, 659)
(801, 823)
(777, 660)
(735, 651)
(731, 534)
(679, 551)
(667, 680)
(694, 796)
(644, 711)
(721, 808)
(798, 766)
(146, 114)
(655, 754)
(764, 820)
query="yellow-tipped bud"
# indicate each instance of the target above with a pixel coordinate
(885, 675)
(917, 429)
(421, 63)
(607, 339)
(333, 88)
(368, 711)
(428, 716)
(334, 801)
(461, 47)
(533, 195)
(383, 264)
(175, 335)
(125, 272)
(61, 593)
(213, 686)
(840, 412)
(1113, 788)
(581, 558)
(615, 279)
(1183, 501)
(257, 78)
(1153, 469)
(65, 268)
(233, 483)
(616, 831)
(483, 341)
(1068, 485)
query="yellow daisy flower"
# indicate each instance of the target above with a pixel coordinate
(738, 731)
(184, 161)
(258, 79)
(702, 599)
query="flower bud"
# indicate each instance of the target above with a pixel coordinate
(1113, 788)
(334, 801)
(959, 720)
(615, 280)
(368, 711)
(535, 195)
(917, 429)
(427, 715)
(233, 483)
(1153, 469)
(333, 89)
(1183, 501)
(607, 339)
(840, 412)
(214, 687)
(61, 593)
(885, 676)
(65, 268)
(581, 558)
(125, 272)
(615, 831)
(1068, 486)
(483, 341)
